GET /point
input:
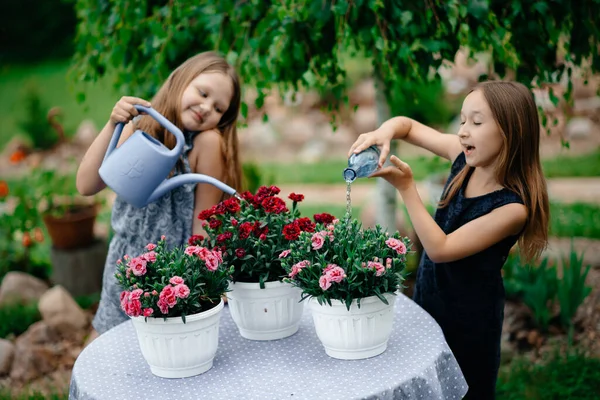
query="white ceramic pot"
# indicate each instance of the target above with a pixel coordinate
(265, 314)
(177, 350)
(359, 333)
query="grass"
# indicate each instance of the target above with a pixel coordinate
(50, 80)
(572, 376)
(575, 220)
(570, 166)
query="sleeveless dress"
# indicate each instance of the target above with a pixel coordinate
(466, 297)
(171, 215)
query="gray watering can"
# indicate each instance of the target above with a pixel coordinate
(137, 170)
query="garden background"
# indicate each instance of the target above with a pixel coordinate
(56, 93)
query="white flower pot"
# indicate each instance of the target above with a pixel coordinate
(265, 314)
(359, 333)
(177, 350)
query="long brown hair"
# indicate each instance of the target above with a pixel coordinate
(167, 101)
(518, 168)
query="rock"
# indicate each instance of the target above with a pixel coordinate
(7, 352)
(32, 361)
(61, 312)
(38, 333)
(21, 287)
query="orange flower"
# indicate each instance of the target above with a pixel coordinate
(3, 189)
(38, 235)
(26, 239)
(17, 156)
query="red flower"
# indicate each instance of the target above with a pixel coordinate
(26, 239)
(260, 230)
(324, 218)
(305, 224)
(214, 223)
(195, 240)
(245, 230)
(291, 231)
(3, 189)
(296, 197)
(274, 205)
(224, 236)
(206, 214)
(232, 205)
(240, 252)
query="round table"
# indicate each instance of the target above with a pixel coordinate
(416, 365)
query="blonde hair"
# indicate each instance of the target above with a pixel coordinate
(519, 168)
(167, 101)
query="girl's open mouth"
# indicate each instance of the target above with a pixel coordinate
(469, 150)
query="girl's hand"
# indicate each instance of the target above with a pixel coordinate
(124, 111)
(380, 137)
(400, 175)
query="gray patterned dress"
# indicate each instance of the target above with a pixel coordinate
(171, 215)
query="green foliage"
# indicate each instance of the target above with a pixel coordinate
(87, 301)
(566, 166)
(255, 177)
(345, 262)
(16, 318)
(36, 124)
(173, 282)
(575, 220)
(572, 289)
(36, 30)
(572, 376)
(6, 394)
(535, 284)
(300, 43)
(22, 244)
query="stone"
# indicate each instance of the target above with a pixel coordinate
(61, 312)
(7, 353)
(21, 287)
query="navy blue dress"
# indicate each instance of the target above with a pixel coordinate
(466, 297)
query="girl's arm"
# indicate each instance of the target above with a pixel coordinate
(88, 181)
(206, 158)
(411, 131)
(467, 240)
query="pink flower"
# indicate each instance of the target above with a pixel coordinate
(147, 294)
(130, 303)
(212, 261)
(377, 266)
(191, 250)
(138, 266)
(317, 241)
(335, 273)
(148, 312)
(176, 280)
(168, 296)
(162, 305)
(151, 246)
(182, 291)
(136, 294)
(397, 245)
(324, 282)
(284, 253)
(296, 268)
(388, 263)
(150, 256)
(163, 237)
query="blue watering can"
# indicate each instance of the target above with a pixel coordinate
(137, 170)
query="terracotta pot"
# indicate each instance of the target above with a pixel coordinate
(74, 229)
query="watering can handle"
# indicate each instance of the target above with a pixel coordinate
(161, 120)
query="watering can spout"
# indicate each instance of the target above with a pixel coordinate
(176, 181)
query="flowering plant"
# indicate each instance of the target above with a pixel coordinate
(342, 261)
(252, 234)
(174, 282)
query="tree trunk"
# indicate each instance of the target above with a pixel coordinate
(385, 213)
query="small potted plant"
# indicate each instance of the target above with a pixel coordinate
(252, 235)
(174, 298)
(350, 276)
(69, 218)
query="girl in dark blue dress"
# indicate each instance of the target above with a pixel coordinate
(495, 197)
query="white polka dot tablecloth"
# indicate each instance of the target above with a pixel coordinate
(416, 365)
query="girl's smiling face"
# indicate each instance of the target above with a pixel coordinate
(205, 100)
(479, 133)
